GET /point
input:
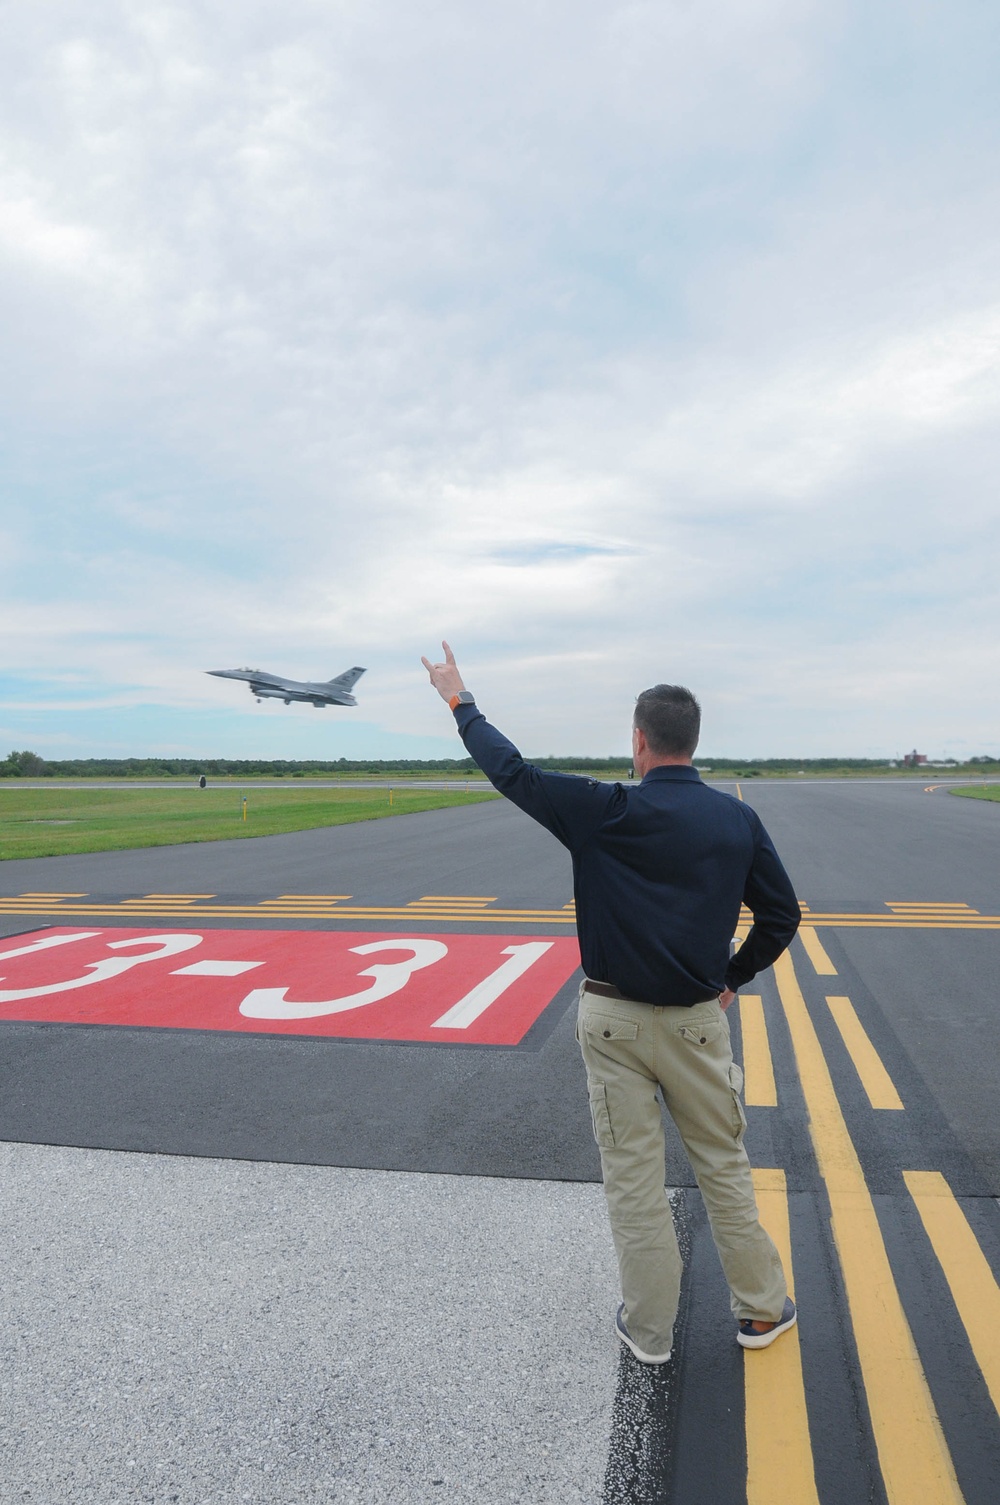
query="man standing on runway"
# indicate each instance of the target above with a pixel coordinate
(659, 872)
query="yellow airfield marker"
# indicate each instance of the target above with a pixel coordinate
(867, 1062)
(758, 1071)
(816, 952)
(780, 1467)
(266, 909)
(466, 899)
(945, 905)
(305, 901)
(969, 1277)
(61, 904)
(912, 1451)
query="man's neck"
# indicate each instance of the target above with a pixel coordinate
(647, 767)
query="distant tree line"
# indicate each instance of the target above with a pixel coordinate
(22, 765)
(30, 765)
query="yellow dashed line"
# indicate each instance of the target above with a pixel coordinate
(457, 907)
(970, 1278)
(913, 1454)
(867, 1062)
(779, 1453)
(758, 1071)
(816, 953)
(949, 909)
(268, 909)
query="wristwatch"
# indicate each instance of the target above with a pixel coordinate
(464, 697)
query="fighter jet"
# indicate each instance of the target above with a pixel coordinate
(274, 687)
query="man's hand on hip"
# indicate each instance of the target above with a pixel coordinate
(726, 998)
(444, 677)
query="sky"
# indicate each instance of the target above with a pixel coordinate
(618, 343)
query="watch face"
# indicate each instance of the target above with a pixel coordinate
(466, 697)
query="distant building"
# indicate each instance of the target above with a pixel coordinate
(914, 759)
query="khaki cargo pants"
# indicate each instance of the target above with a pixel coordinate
(629, 1050)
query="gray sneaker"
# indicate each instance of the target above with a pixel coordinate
(747, 1338)
(629, 1341)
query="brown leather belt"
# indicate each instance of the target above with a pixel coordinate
(608, 990)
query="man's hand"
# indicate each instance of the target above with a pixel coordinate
(444, 677)
(725, 999)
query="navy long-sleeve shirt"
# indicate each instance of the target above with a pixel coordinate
(659, 871)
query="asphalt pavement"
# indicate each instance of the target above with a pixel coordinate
(287, 1218)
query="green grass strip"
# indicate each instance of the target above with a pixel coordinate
(979, 792)
(56, 822)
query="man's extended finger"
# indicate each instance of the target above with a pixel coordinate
(449, 657)
(426, 663)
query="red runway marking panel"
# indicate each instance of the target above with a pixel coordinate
(481, 989)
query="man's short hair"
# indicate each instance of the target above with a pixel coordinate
(670, 719)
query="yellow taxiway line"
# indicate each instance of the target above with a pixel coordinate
(815, 951)
(912, 1451)
(759, 1090)
(309, 906)
(267, 911)
(780, 1468)
(875, 1079)
(970, 1278)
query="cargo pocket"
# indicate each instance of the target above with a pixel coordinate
(599, 1114)
(739, 1113)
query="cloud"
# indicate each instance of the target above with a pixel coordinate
(618, 342)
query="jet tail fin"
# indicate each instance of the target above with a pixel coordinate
(347, 680)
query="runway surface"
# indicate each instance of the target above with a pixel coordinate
(421, 1218)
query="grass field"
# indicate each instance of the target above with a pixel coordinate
(54, 822)
(979, 792)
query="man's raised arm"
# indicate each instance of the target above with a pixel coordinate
(571, 808)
